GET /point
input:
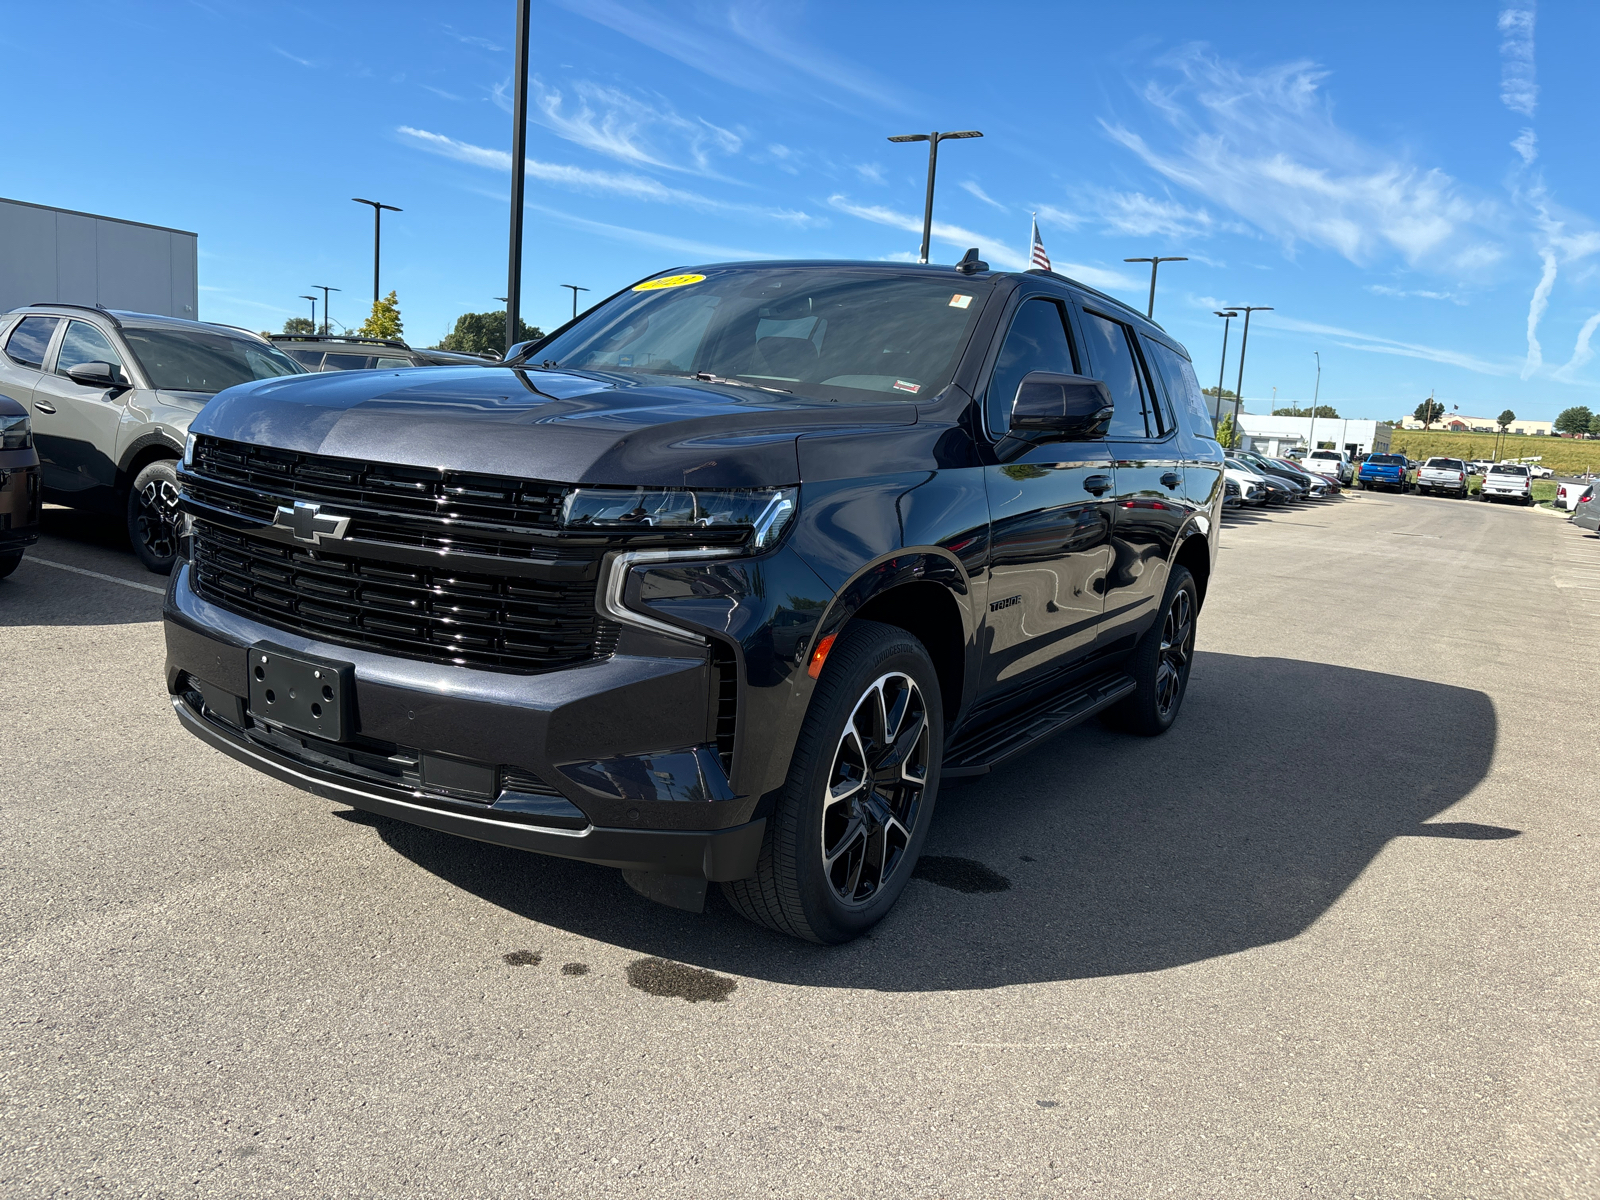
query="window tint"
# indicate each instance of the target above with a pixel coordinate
(1112, 354)
(1183, 389)
(30, 339)
(311, 358)
(385, 364)
(346, 362)
(83, 343)
(1036, 341)
(191, 360)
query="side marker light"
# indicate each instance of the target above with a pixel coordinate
(820, 655)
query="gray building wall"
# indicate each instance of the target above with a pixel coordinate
(54, 254)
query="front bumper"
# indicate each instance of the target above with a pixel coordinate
(614, 751)
(21, 502)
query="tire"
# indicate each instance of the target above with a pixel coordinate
(828, 871)
(153, 515)
(1162, 661)
(10, 562)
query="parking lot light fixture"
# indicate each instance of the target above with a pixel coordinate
(326, 325)
(933, 140)
(575, 290)
(1154, 263)
(1244, 343)
(1311, 441)
(313, 300)
(1216, 417)
(377, 235)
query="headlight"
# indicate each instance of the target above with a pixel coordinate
(766, 512)
(188, 451)
(16, 433)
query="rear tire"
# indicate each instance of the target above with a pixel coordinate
(1162, 661)
(854, 812)
(153, 515)
(10, 562)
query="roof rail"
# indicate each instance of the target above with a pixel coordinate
(101, 309)
(337, 337)
(224, 325)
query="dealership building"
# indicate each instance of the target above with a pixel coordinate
(1274, 436)
(59, 256)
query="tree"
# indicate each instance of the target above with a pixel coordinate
(1505, 419)
(385, 319)
(1322, 410)
(1428, 412)
(1226, 393)
(485, 333)
(1594, 425)
(299, 325)
(1225, 434)
(1574, 420)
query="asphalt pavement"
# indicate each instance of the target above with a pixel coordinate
(1334, 935)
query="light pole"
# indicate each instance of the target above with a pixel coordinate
(313, 300)
(1311, 435)
(1244, 344)
(1227, 318)
(324, 289)
(519, 171)
(1154, 263)
(575, 290)
(377, 235)
(933, 140)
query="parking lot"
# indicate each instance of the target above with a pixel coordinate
(1334, 935)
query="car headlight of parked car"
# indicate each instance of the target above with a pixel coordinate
(15, 433)
(766, 512)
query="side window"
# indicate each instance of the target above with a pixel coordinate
(1115, 361)
(386, 364)
(346, 362)
(83, 343)
(1183, 389)
(311, 359)
(30, 339)
(1036, 341)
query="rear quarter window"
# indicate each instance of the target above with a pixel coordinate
(1183, 388)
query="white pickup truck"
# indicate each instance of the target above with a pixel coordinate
(1331, 462)
(1442, 475)
(1508, 481)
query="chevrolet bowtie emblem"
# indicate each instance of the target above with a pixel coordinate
(308, 523)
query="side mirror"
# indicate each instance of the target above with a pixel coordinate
(517, 353)
(96, 375)
(1061, 408)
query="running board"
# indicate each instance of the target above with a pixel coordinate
(981, 750)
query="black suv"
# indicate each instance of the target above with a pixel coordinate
(350, 352)
(715, 583)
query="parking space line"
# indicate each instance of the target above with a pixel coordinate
(45, 562)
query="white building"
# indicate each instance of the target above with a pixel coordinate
(1276, 436)
(1460, 423)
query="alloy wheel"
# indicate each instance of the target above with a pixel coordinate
(156, 518)
(875, 788)
(1177, 648)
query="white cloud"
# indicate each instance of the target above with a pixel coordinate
(1266, 147)
(701, 251)
(1581, 351)
(633, 187)
(1058, 216)
(1526, 144)
(973, 189)
(871, 172)
(609, 121)
(1536, 309)
(1373, 344)
(1379, 289)
(1518, 90)
(1138, 215)
(294, 58)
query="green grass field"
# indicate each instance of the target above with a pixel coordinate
(1564, 456)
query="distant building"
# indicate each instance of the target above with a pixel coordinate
(65, 257)
(1459, 423)
(1275, 436)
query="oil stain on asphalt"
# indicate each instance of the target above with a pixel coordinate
(960, 874)
(574, 968)
(660, 977)
(522, 958)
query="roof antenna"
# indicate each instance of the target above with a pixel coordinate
(970, 263)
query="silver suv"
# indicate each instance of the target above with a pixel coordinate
(112, 394)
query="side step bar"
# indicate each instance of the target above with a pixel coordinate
(978, 751)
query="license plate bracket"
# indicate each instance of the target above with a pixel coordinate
(301, 691)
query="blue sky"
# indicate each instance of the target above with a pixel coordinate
(1409, 185)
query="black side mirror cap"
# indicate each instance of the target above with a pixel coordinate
(96, 375)
(1061, 408)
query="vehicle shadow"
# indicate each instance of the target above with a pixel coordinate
(1279, 785)
(43, 596)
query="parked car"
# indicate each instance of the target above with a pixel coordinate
(1508, 481)
(350, 352)
(1331, 462)
(1569, 492)
(111, 395)
(1587, 513)
(1230, 494)
(716, 583)
(21, 498)
(1443, 475)
(1540, 471)
(1316, 485)
(1479, 466)
(1252, 487)
(1291, 476)
(1383, 470)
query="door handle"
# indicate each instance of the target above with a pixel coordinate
(44, 408)
(1097, 484)
(1170, 479)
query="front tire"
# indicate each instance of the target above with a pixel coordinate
(153, 515)
(854, 812)
(1162, 661)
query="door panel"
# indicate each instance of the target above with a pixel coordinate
(1202, 457)
(87, 419)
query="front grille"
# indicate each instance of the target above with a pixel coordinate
(433, 613)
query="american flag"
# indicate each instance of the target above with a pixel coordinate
(1040, 259)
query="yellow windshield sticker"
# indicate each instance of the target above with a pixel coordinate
(960, 301)
(667, 281)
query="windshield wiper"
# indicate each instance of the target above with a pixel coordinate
(708, 377)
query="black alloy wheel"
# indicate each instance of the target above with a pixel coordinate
(1162, 661)
(850, 821)
(1175, 654)
(153, 519)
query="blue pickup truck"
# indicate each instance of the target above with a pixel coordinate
(1383, 471)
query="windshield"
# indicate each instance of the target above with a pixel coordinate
(1446, 464)
(196, 360)
(823, 333)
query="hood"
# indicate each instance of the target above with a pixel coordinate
(560, 425)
